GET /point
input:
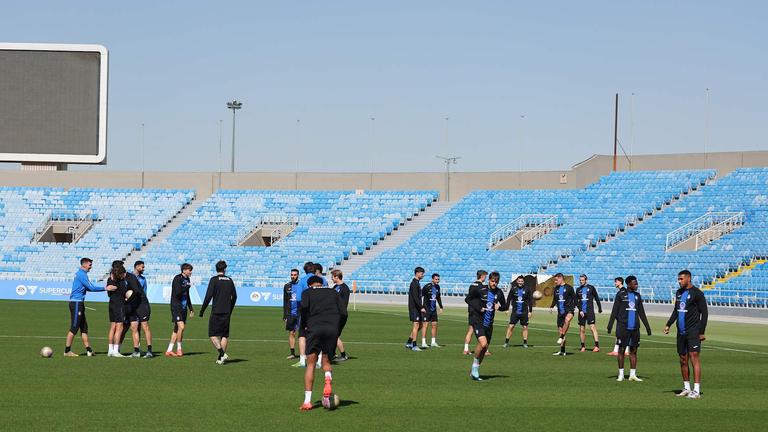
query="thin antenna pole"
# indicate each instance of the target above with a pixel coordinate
(615, 131)
(706, 124)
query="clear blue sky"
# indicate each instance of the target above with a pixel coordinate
(335, 64)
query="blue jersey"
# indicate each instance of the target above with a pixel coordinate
(302, 285)
(80, 285)
(681, 311)
(631, 311)
(290, 300)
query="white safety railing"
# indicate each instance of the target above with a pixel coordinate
(706, 228)
(281, 223)
(535, 226)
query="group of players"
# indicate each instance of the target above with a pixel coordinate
(483, 300)
(129, 308)
(316, 316)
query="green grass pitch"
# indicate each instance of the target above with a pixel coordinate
(384, 387)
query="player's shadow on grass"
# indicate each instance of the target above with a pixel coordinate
(492, 377)
(237, 360)
(343, 403)
(676, 392)
(194, 353)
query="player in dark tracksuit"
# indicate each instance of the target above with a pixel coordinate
(628, 311)
(117, 308)
(321, 312)
(691, 315)
(343, 290)
(586, 296)
(520, 301)
(181, 305)
(564, 299)
(433, 302)
(481, 276)
(221, 289)
(416, 309)
(141, 314)
(483, 302)
(291, 311)
(134, 311)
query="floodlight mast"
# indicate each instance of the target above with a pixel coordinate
(234, 105)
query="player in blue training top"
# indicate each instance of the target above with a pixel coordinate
(520, 302)
(181, 305)
(628, 311)
(483, 302)
(309, 271)
(564, 299)
(691, 315)
(586, 296)
(291, 311)
(432, 302)
(77, 321)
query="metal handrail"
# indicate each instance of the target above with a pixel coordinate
(508, 229)
(696, 226)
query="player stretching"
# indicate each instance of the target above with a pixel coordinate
(520, 303)
(416, 310)
(221, 289)
(564, 299)
(480, 282)
(483, 302)
(321, 312)
(586, 295)
(291, 311)
(432, 302)
(77, 321)
(691, 315)
(627, 308)
(181, 303)
(343, 290)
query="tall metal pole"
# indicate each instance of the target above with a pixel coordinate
(522, 144)
(706, 124)
(220, 156)
(142, 156)
(234, 106)
(233, 140)
(615, 130)
(448, 160)
(632, 126)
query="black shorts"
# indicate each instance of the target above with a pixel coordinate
(430, 316)
(178, 314)
(218, 325)
(116, 313)
(322, 339)
(292, 323)
(521, 318)
(587, 319)
(140, 313)
(561, 318)
(300, 330)
(481, 330)
(415, 315)
(77, 319)
(342, 323)
(688, 343)
(627, 338)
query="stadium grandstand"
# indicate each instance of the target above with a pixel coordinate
(650, 222)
